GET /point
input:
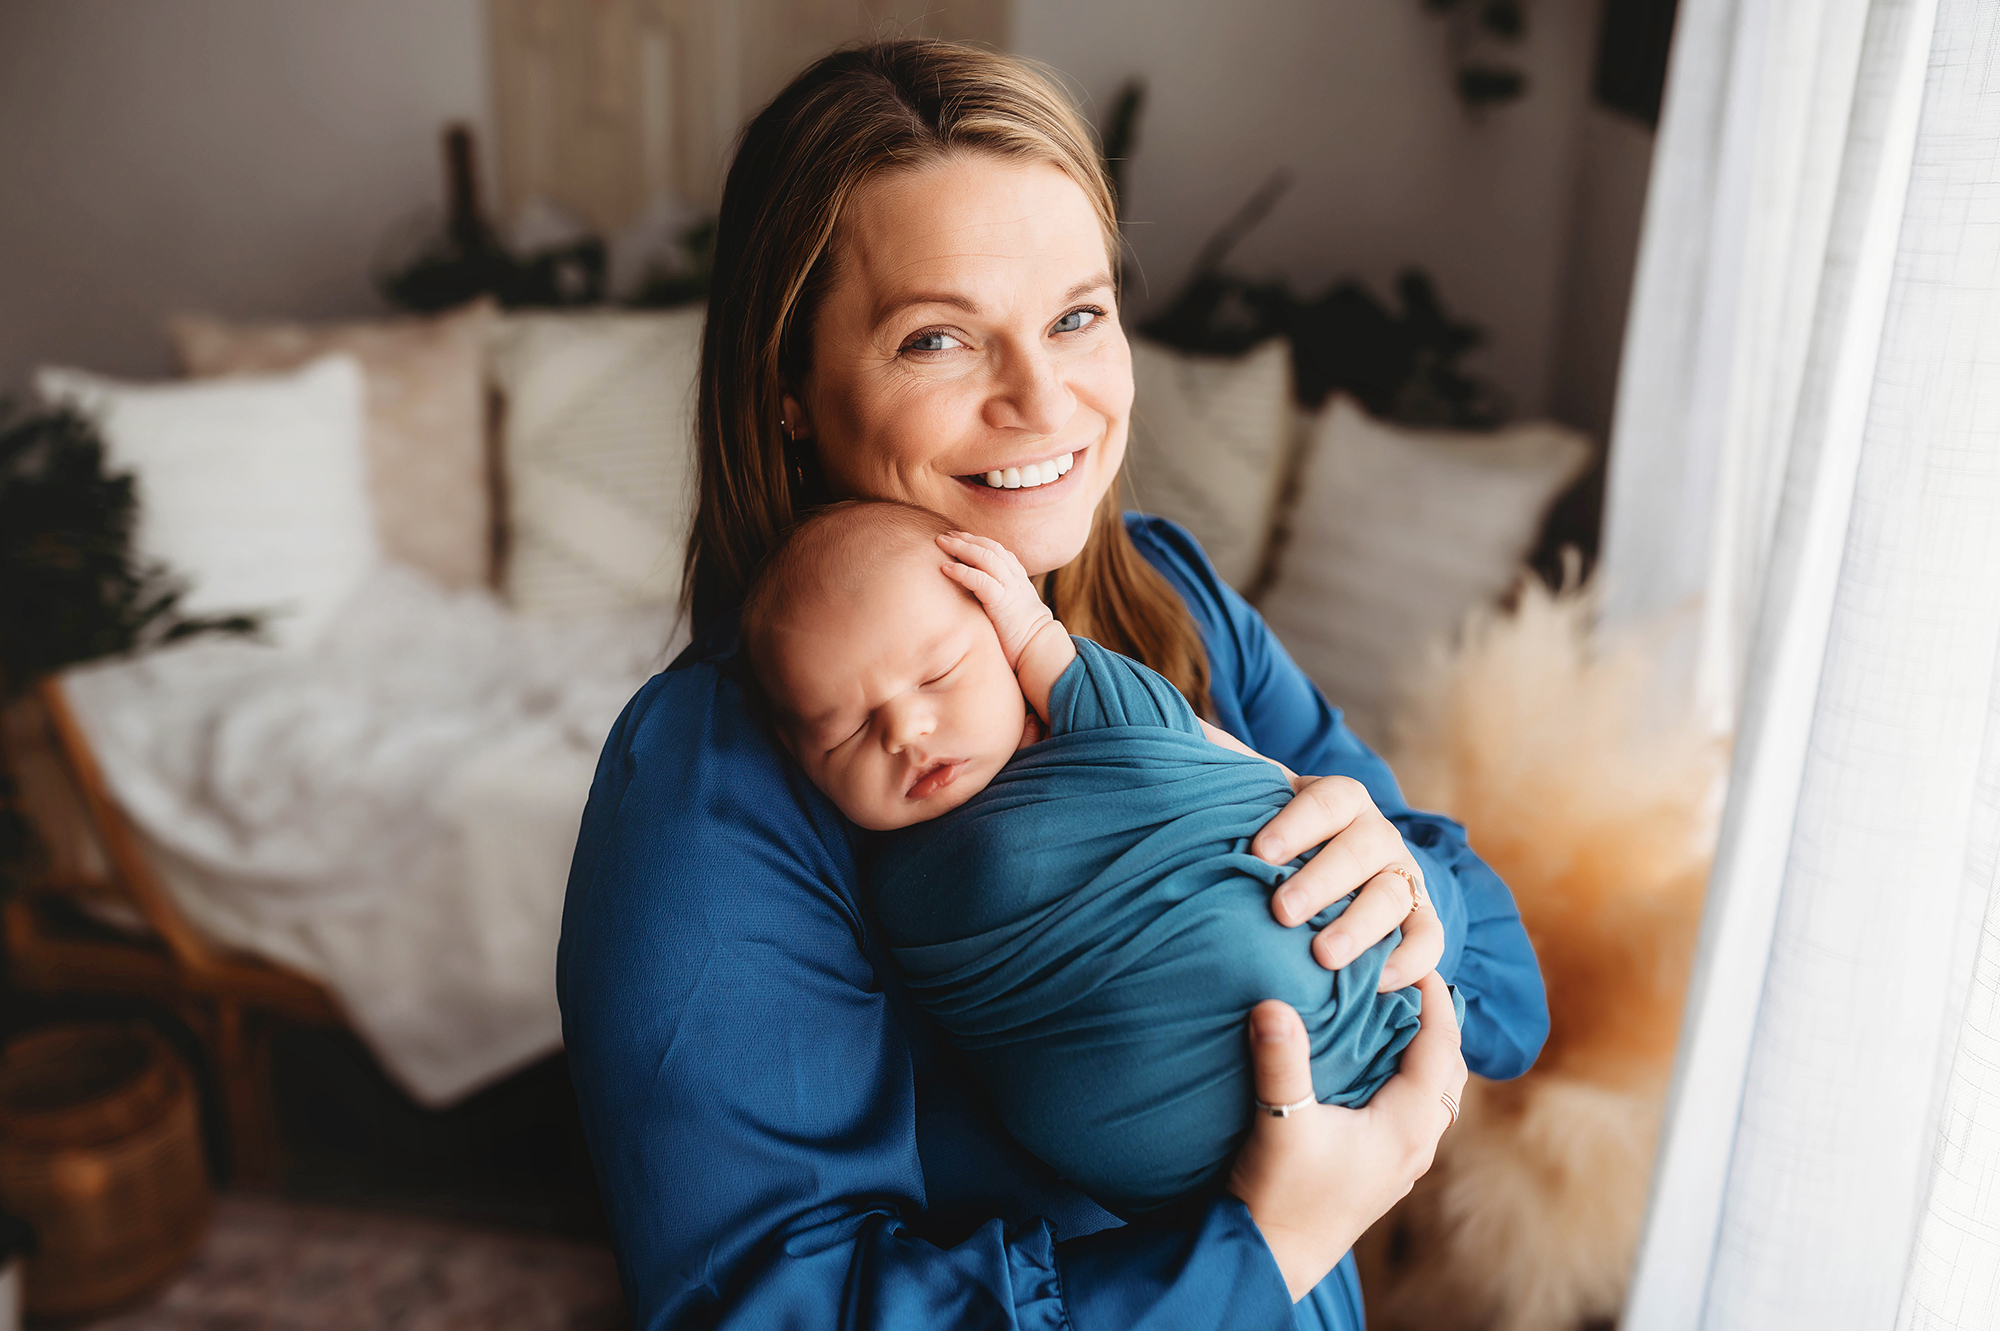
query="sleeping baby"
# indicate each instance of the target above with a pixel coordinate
(1080, 913)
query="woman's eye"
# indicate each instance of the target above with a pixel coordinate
(1076, 319)
(932, 341)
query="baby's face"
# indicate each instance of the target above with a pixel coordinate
(899, 703)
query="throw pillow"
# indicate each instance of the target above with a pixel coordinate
(599, 449)
(255, 489)
(1397, 535)
(426, 392)
(1211, 436)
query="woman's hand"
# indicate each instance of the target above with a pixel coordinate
(1315, 1180)
(1363, 850)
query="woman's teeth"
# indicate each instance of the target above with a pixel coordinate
(1035, 473)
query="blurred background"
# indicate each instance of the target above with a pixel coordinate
(452, 252)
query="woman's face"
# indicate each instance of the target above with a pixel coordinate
(969, 336)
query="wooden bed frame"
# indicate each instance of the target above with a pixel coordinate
(93, 918)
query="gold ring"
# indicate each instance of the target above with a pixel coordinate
(1451, 1106)
(1416, 888)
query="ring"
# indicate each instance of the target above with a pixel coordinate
(1451, 1106)
(1286, 1111)
(1416, 888)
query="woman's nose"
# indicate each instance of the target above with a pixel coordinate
(1030, 395)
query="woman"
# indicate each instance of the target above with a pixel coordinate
(915, 290)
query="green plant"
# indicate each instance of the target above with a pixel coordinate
(1402, 362)
(72, 588)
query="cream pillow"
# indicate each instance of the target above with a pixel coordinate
(599, 449)
(1397, 534)
(255, 489)
(1210, 439)
(426, 394)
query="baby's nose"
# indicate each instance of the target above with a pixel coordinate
(909, 720)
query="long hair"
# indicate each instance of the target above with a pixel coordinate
(858, 112)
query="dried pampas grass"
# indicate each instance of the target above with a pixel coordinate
(1546, 739)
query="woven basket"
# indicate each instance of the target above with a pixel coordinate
(100, 1151)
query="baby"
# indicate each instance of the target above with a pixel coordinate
(1079, 913)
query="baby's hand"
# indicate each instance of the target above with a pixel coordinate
(990, 571)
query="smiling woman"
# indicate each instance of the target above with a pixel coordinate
(915, 299)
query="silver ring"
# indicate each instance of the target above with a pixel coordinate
(1451, 1106)
(1286, 1111)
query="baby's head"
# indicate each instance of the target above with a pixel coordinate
(886, 680)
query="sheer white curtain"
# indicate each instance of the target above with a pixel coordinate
(1808, 450)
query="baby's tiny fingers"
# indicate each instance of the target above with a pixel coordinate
(981, 550)
(980, 583)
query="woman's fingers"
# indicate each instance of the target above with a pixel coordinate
(1322, 809)
(1382, 904)
(1432, 1068)
(1360, 843)
(1279, 1054)
(1420, 951)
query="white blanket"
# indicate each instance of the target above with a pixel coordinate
(391, 813)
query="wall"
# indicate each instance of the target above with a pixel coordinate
(1355, 99)
(251, 157)
(1613, 167)
(242, 156)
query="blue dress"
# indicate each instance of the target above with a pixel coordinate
(781, 1137)
(1090, 931)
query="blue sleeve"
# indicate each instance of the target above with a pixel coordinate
(747, 1089)
(1283, 715)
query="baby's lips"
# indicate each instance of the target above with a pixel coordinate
(936, 778)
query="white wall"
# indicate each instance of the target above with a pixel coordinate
(1355, 98)
(1613, 169)
(241, 156)
(250, 157)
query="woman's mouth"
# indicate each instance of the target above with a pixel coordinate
(934, 778)
(1028, 476)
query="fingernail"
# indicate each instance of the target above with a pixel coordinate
(1268, 1027)
(1338, 951)
(1392, 979)
(1291, 904)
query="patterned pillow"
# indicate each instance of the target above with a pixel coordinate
(426, 392)
(598, 443)
(1211, 436)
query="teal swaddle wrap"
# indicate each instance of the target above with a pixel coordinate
(1091, 930)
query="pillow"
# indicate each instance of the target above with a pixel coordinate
(426, 395)
(255, 489)
(1397, 535)
(1211, 436)
(599, 450)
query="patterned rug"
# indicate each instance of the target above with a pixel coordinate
(270, 1265)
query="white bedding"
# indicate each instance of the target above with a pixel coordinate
(392, 813)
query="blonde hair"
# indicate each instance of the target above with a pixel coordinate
(851, 116)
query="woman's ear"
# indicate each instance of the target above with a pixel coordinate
(798, 426)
